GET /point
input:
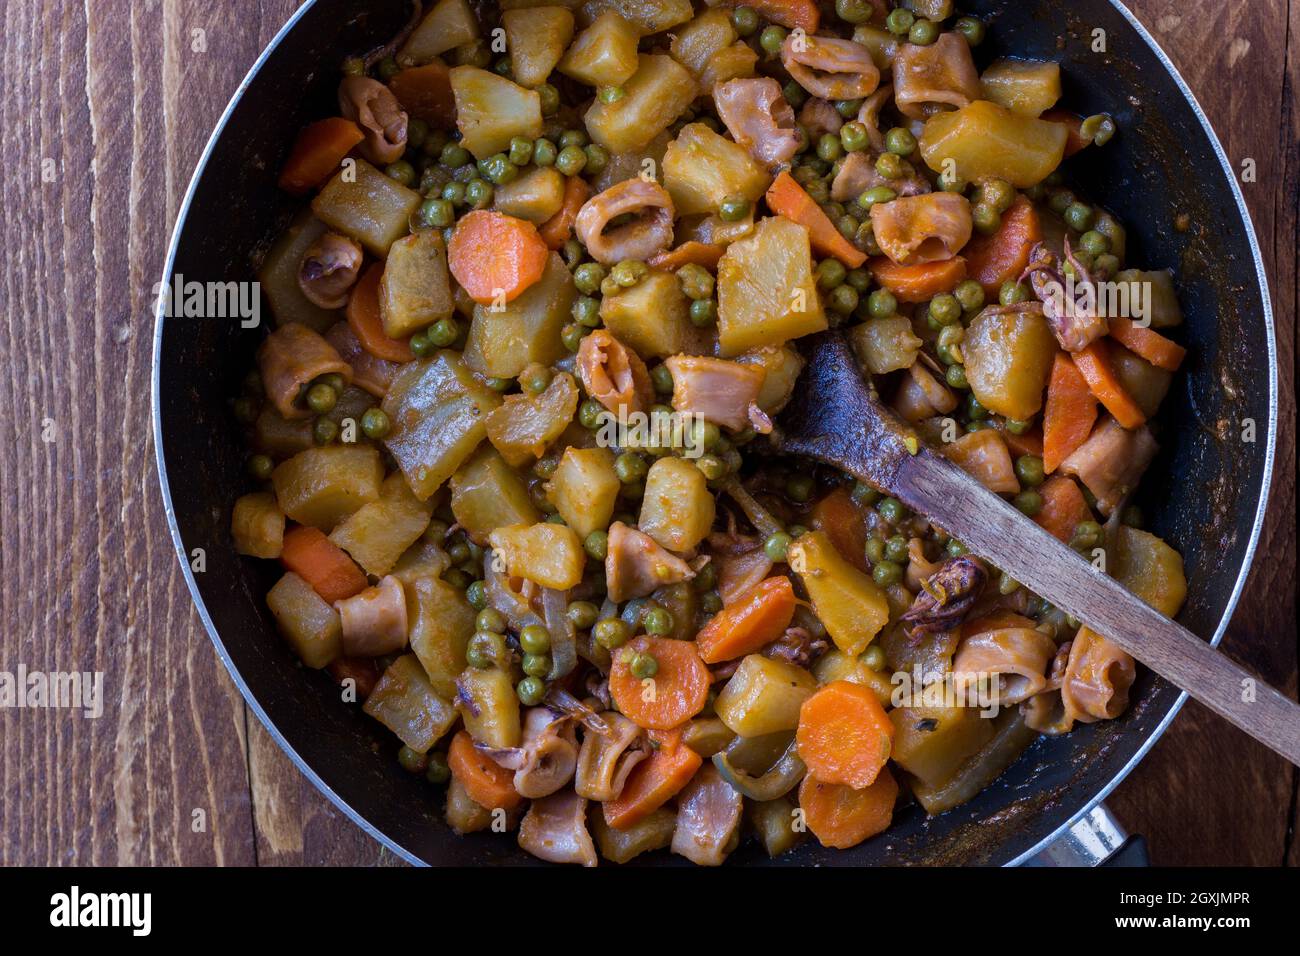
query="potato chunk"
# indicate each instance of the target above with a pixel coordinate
(491, 110)
(535, 196)
(322, 486)
(312, 628)
(885, 345)
(257, 525)
(441, 623)
(369, 207)
(652, 317)
(701, 169)
(405, 702)
(527, 329)
(604, 54)
(766, 291)
(437, 409)
(1027, 87)
(451, 23)
(648, 16)
(492, 716)
(1150, 569)
(654, 96)
(695, 44)
(1008, 359)
(764, 696)
(677, 508)
(547, 554)
(584, 489)
(486, 493)
(415, 290)
(848, 602)
(524, 425)
(379, 532)
(986, 141)
(536, 39)
(931, 743)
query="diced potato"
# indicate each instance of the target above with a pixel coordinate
(880, 43)
(986, 141)
(487, 493)
(425, 93)
(773, 821)
(1027, 87)
(451, 23)
(781, 365)
(415, 290)
(677, 508)
(279, 275)
(463, 815)
(695, 44)
(322, 486)
(381, 531)
(492, 716)
(547, 554)
(652, 317)
(1008, 359)
(1150, 569)
(737, 60)
(648, 16)
(931, 743)
(701, 169)
(535, 196)
(848, 602)
(312, 628)
(279, 437)
(441, 624)
(1154, 291)
(367, 206)
(584, 489)
(604, 54)
(763, 696)
(524, 425)
(836, 665)
(491, 110)
(653, 832)
(424, 559)
(536, 39)
(257, 525)
(405, 702)
(527, 329)
(707, 735)
(437, 409)
(984, 456)
(654, 96)
(1145, 383)
(885, 345)
(766, 291)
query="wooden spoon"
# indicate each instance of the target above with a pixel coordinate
(835, 419)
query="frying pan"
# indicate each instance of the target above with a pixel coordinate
(1206, 493)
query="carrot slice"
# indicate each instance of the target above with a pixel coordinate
(790, 13)
(845, 524)
(673, 695)
(704, 254)
(366, 322)
(1069, 414)
(487, 784)
(1063, 507)
(787, 198)
(758, 617)
(494, 256)
(425, 93)
(918, 283)
(1073, 124)
(653, 782)
(841, 817)
(1094, 365)
(1148, 343)
(555, 232)
(992, 260)
(322, 564)
(317, 152)
(844, 734)
(1026, 443)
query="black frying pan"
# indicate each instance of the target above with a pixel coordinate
(1205, 494)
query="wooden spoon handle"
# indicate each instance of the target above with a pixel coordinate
(992, 528)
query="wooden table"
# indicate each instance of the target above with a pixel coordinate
(107, 110)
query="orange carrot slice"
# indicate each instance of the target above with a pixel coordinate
(1094, 365)
(840, 816)
(322, 564)
(555, 232)
(790, 13)
(1148, 343)
(1063, 507)
(787, 198)
(918, 283)
(1073, 123)
(495, 257)
(844, 734)
(317, 152)
(845, 524)
(1069, 414)
(758, 617)
(992, 260)
(487, 784)
(673, 695)
(652, 783)
(366, 322)
(704, 254)
(425, 93)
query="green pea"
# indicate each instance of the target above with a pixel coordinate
(587, 277)
(534, 379)
(544, 152)
(800, 487)
(586, 310)
(375, 423)
(478, 193)
(891, 509)
(744, 20)
(1007, 584)
(734, 209)
(596, 545)
(881, 304)
(955, 549)
(658, 620)
(416, 132)
(502, 67)
(437, 213)
(324, 430)
(412, 761)
(711, 466)
(630, 467)
(970, 294)
(321, 398)
(499, 384)
(573, 137)
(571, 160)
(354, 66)
(597, 159)
(863, 494)
(956, 377)
(476, 595)
(490, 619)
(1059, 200)
(703, 312)
(1012, 292)
(891, 166)
(402, 171)
(591, 413)
(454, 193)
(853, 137)
(443, 333)
(629, 273)
(874, 658)
(1105, 266)
(582, 614)
(571, 335)
(997, 193)
(696, 281)
(985, 218)
(662, 379)
(1029, 469)
(705, 578)
(1094, 243)
(854, 11)
(260, 467)
(499, 170)
(900, 141)
(710, 602)
(830, 273)
(535, 639)
(952, 184)
(1086, 536)
(643, 666)
(454, 155)
(772, 38)
(521, 151)
(611, 632)
(1098, 128)
(896, 549)
(245, 409)
(777, 545)
(436, 532)
(829, 147)
(974, 410)
(550, 98)
(842, 299)
(945, 308)
(1018, 426)
(530, 691)
(1028, 502)
(794, 94)
(923, 32)
(900, 21)
(970, 28)
(1079, 216)
(438, 772)
(888, 572)
(877, 194)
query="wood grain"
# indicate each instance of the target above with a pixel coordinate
(113, 100)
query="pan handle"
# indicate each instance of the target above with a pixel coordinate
(1096, 839)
